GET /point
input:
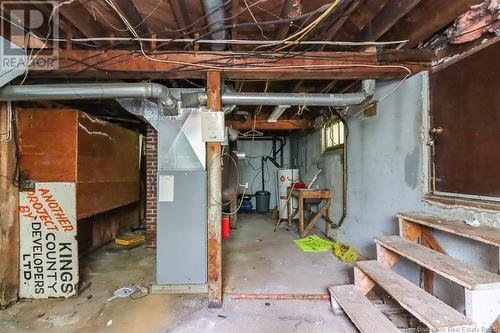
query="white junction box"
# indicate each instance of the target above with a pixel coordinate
(212, 126)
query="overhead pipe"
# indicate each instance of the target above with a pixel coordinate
(292, 99)
(214, 9)
(63, 92)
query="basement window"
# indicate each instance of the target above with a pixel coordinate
(332, 135)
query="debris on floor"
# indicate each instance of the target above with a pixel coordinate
(130, 240)
(121, 293)
(342, 251)
(345, 252)
(313, 244)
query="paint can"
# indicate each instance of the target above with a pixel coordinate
(226, 226)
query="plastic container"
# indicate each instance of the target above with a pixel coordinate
(262, 199)
(246, 205)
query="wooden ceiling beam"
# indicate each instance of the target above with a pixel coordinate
(426, 19)
(360, 18)
(264, 125)
(283, 29)
(392, 12)
(115, 64)
(78, 16)
(335, 28)
(130, 11)
(181, 15)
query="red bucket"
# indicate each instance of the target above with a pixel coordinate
(226, 226)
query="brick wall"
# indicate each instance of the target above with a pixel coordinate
(151, 175)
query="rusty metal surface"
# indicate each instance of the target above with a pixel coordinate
(465, 102)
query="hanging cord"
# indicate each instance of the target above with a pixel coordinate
(285, 206)
(237, 177)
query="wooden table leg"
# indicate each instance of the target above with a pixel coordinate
(328, 226)
(316, 218)
(289, 210)
(301, 217)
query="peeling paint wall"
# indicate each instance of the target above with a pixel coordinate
(387, 161)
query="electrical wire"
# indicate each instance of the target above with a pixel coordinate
(396, 87)
(302, 33)
(255, 20)
(224, 41)
(239, 206)
(262, 23)
(237, 176)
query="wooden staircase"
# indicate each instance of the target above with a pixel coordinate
(482, 288)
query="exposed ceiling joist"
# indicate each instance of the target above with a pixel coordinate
(114, 64)
(181, 15)
(83, 21)
(283, 29)
(392, 12)
(360, 18)
(263, 125)
(335, 28)
(235, 9)
(129, 10)
(426, 19)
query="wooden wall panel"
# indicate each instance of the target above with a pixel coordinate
(66, 145)
(108, 166)
(47, 144)
(9, 218)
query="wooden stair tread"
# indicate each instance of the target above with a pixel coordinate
(363, 313)
(485, 234)
(453, 269)
(425, 307)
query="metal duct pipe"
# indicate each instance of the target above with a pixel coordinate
(214, 9)
(61, 92)
(293, 99)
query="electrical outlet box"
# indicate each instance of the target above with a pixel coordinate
(212, 126)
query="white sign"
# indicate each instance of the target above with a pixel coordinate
(166, 188)
(48, 246)
(212, 126)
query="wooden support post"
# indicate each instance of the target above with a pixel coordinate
(9, 217)
(154, 44)
(427, 276)
(214, 166)
(362, 281)
(301, 217)
(409, 230)
(386, 257)
(328, 224)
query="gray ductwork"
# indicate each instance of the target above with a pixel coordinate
(58, 92)
(214, 9)
(292, 99)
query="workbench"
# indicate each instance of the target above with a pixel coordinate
(324, 208)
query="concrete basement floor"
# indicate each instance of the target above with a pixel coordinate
(256, 261)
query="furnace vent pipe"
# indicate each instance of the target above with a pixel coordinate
(292, 99)
(214, 9)
(62, 92)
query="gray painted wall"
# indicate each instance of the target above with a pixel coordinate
(387, 161)
(250, 167)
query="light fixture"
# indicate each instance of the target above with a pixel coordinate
(278, 111)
